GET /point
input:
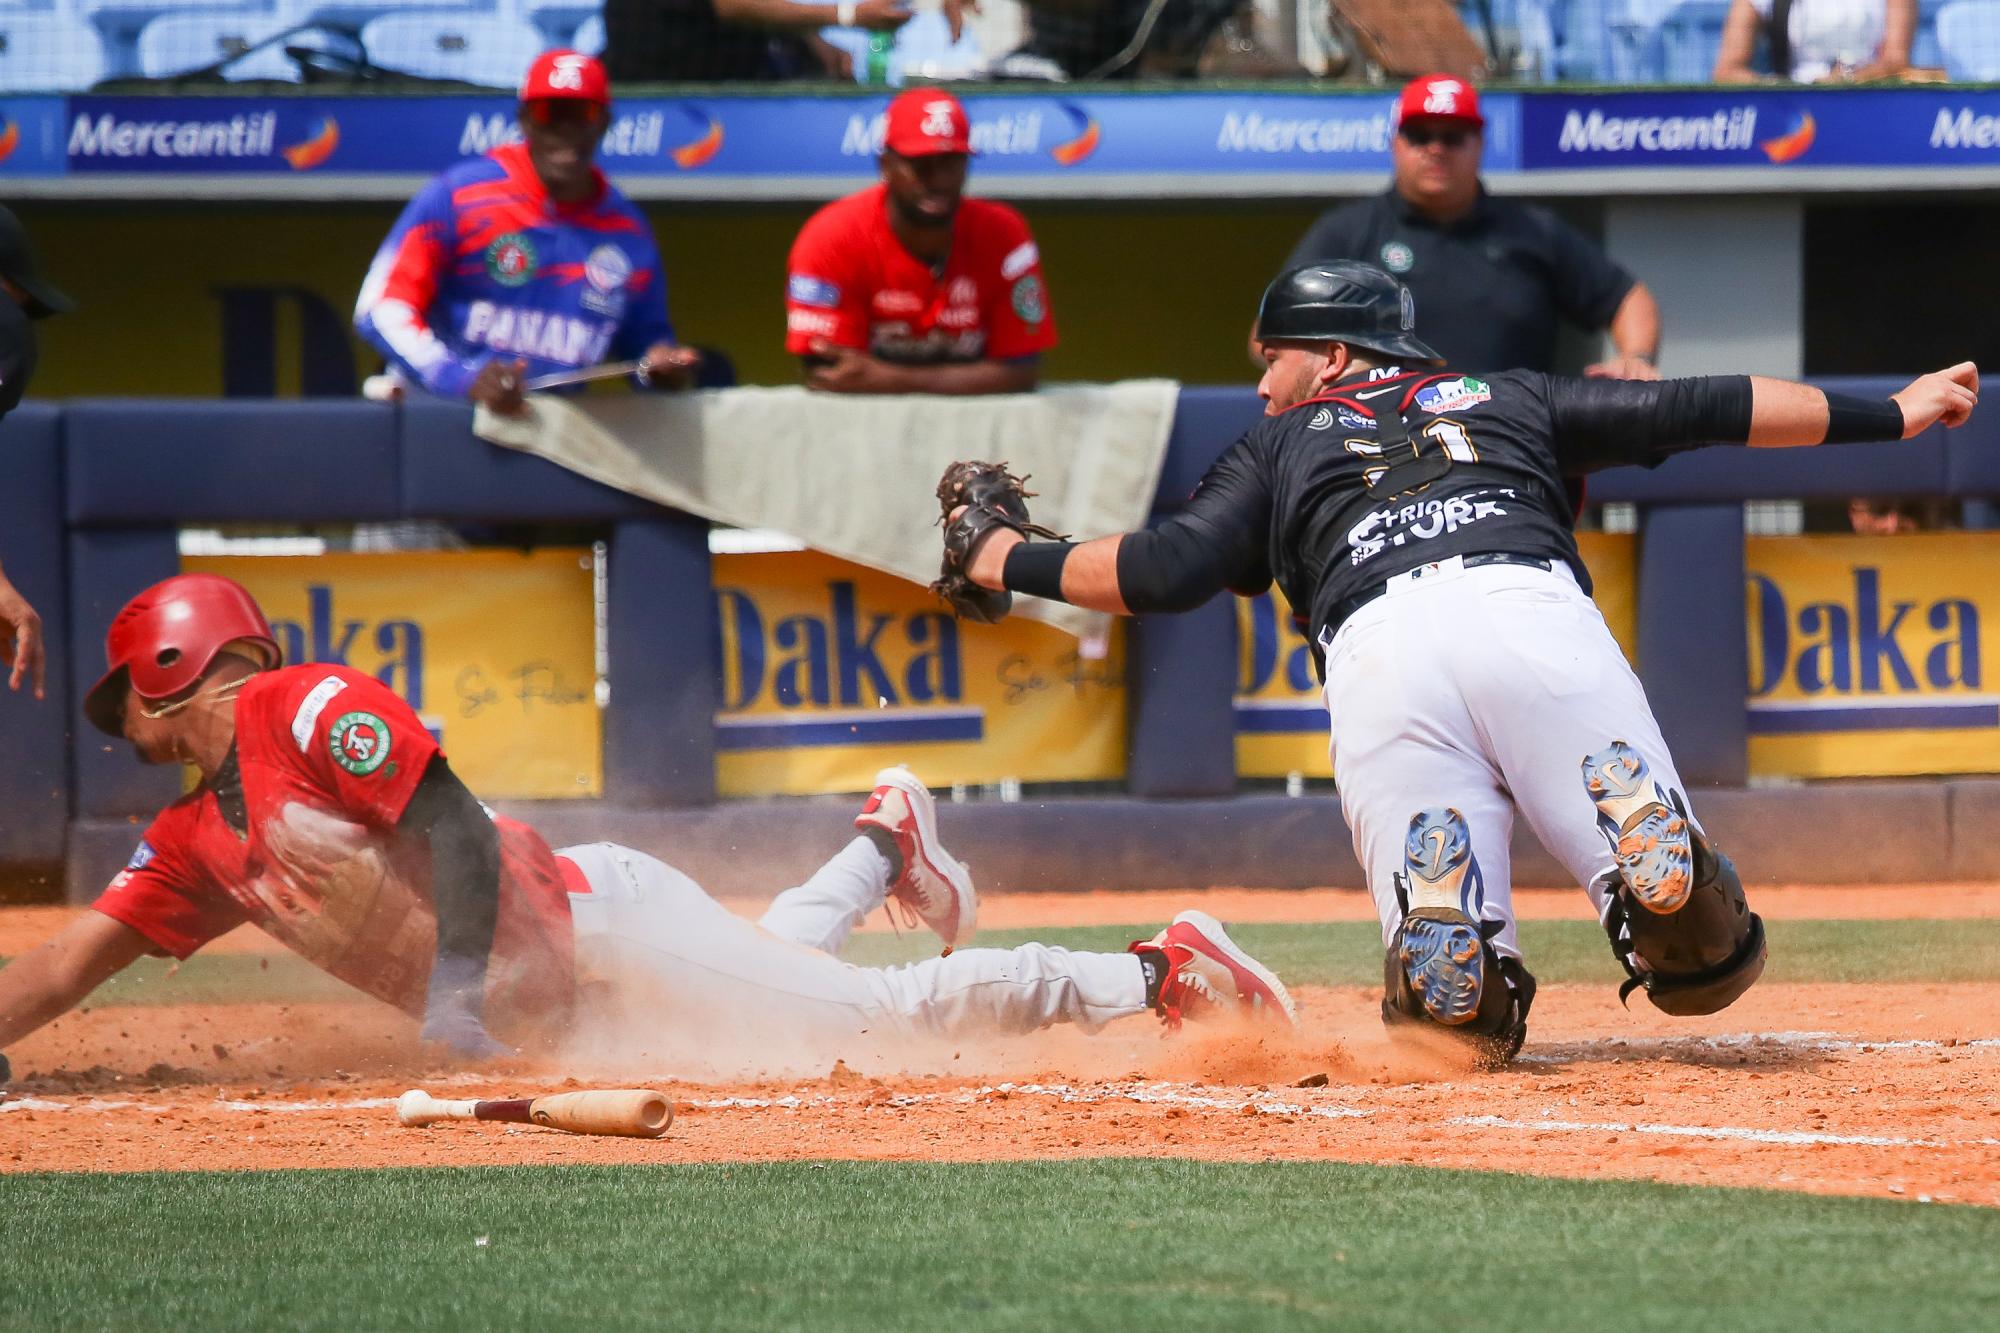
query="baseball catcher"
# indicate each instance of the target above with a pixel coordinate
(1417, 518)
(327, 815)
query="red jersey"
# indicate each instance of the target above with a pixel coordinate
(329, 759)
(853, 284)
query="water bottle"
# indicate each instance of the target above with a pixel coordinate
(877, 68)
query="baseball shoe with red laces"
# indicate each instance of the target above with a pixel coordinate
(1206, 974)
(933, 888)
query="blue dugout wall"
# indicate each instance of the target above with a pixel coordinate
(96, 489)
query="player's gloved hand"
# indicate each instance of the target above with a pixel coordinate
(451, 1012)
(500, 385)
(975, 500)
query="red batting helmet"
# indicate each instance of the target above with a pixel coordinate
(167, 636)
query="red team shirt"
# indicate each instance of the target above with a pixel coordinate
(853, 284)
(329, 758)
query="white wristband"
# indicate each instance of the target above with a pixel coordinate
(845, 9)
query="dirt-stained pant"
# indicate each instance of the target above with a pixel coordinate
(665, 952)
(1483, 690)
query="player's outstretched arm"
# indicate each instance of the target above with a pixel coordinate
(1087, 577)
(52, 978)
(1784, 413)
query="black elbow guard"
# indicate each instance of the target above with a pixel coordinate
(1158, 572)
(1713, 409)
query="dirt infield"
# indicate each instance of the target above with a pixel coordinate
(1832, 1088)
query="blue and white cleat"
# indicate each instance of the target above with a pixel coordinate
(1646, 826)
(1440, 948)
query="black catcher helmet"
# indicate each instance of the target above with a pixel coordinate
(1343, 301)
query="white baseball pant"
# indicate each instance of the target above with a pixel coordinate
(1482, 689)
(652, 941)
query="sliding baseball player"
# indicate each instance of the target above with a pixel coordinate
(327, 815)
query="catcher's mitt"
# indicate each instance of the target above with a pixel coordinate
(993, 498)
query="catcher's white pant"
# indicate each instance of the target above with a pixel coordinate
(660, 949)
(1482, 690)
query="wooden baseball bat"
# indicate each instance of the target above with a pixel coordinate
(630, 1112)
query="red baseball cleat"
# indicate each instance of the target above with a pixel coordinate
(934, 888)
(1209, 975)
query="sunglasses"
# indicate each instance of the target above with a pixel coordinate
(1418, 137)
(565, 110)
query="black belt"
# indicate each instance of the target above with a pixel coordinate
(1342, 610)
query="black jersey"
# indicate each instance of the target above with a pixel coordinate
(1336, 495)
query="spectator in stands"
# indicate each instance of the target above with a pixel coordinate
(1491, 277)
(907, 287)
(524, 262)
(25, 296)
(714, 41)
(1817, 41)
(1111, 39)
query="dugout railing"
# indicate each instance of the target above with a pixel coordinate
(98, 489)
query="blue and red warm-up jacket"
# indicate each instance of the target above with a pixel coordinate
(483, 264)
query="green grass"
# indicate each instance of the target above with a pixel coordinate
(1345, 953)
(881, 1246)
(1349, 953)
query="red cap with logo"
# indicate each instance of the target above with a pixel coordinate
(1438, 97)
(566, 75)
(924, 121)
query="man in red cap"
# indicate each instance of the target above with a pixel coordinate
(524, 262)
(908, 287)
(1493, 278)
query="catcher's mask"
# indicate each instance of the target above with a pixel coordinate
(1345, 302)
(167, 636)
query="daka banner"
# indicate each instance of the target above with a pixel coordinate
(1867, 654)
(831, 671)
(494, 650)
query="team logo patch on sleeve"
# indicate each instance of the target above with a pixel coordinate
(1454, 395)
(359, 742)
(142, 856)
(511, 259)
(805, 289)
(1029, 302)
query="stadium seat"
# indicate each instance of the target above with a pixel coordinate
(49, 53)
(923, 50)
(472, 48)
(558, 19)
(1690, 39)
(179, 43)
(1968, 38)
(1566, 41)
(589, 36)
(1924, 53)
(121, 21)
(357, 13)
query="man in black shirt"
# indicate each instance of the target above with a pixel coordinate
(1494, 277)
(1417, 516)
(25, 296)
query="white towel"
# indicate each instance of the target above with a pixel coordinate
(856, 476)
